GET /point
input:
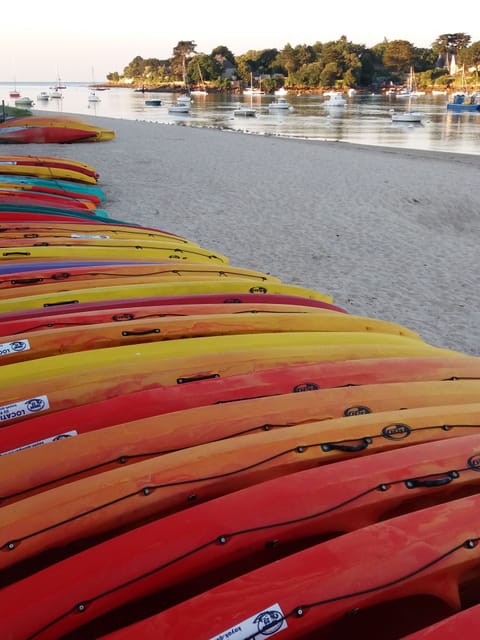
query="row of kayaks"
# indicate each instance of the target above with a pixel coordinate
(193, 449)
(55, 129)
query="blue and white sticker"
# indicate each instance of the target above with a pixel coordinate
(264, 624)
(23, 408)
(15, 346)
(38, 443)
(86, 236)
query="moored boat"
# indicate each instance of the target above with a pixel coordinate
(24, 102)
(462, 102)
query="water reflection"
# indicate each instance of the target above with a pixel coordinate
(365, 119)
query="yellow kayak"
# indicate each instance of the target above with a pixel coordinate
(81, 386)
(125, 252)
(51, 280)
(64, 229)
(61, 340)
(102, 134)
(120, 291)
(88, 363)
(48, 167)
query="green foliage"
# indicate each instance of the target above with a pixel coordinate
(451, 43)
(222, 53)
(203, 68)
(337, 63)
(472, 56)
(398, 55)
(309, 75)
(136, 68)
(330, 74)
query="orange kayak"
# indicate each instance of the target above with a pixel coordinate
(129, 495)
(38, 468)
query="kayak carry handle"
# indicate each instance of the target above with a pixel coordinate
(140, 333)
(343, 446)
(26, 281)
(431, 481)
(210, 376)
(56, 304)
(16, 253)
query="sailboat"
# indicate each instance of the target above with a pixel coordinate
(56, 90)
(411, 89)
(202, 91)
(408, 115)
(14, 93)
(92, 96)
(253, 91)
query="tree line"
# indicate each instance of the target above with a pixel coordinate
(337, 63)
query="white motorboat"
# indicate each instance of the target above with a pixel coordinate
(43, 96)
(245, 112)
(92, 97)
(281, 92)
(179, 107)
(281, 104)
(335, 100)
(24, 102)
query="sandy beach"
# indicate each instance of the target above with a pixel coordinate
(391, 234)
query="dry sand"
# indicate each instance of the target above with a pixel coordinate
(391, 234)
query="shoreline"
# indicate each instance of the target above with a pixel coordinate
(391, 233)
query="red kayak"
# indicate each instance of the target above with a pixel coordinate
(116, 307)
(102, 225)
(62, 422)
(30, 216)
(44, 134)
(47, 161)
(24, 198)
(58, 187)
(381, 581)
(234, 534)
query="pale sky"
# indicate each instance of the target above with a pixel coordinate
(84, 41)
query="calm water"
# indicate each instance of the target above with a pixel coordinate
(365, 120)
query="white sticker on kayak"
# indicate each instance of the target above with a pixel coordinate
(85, 236)
(23, 408)
(261, 625)
(7, 162)
(6, 348)
(32, 445)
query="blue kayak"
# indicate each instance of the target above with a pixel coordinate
(60, 187)
(38, 266)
